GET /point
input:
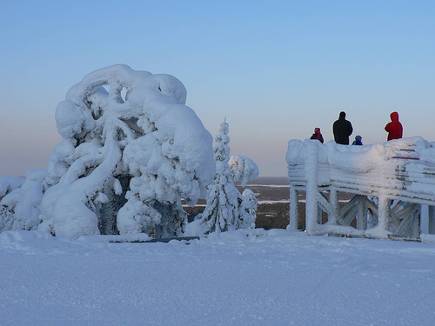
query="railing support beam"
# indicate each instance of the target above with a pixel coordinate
(311, 175)
(293, 223)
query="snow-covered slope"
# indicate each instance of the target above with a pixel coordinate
(266, 278)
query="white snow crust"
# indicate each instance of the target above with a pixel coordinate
(249, 277)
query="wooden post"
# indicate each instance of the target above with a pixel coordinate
(424, 219)
(333, 201)
(431, 219)
(361, 218)
(293, 209)
(383, 213)
(319, 215)
(311, 175)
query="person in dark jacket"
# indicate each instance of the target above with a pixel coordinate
(394, 128)
(357, 141)
(342, 129)
(317, 135)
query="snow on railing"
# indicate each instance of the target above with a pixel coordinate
(383, 177)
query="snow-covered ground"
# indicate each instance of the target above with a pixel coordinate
(267, 278)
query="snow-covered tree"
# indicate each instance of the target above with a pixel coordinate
(225, 209)
(248, 209)
(243, 169)
(20, 199)
(131, 150)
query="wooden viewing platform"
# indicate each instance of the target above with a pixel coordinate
(393, 187)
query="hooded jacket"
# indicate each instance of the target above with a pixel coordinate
(342, 130)
(317, 135)
(357, 141)
(394, 128)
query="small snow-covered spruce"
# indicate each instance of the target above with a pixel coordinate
(225, 210)
(131, 150)
(19, 201)
(243, 169)
(248, 209)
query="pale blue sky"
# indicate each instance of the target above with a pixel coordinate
(275, 69)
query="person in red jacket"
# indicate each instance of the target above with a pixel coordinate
(394, 128)
(317, 135)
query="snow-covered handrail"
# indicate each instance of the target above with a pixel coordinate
(401, 170)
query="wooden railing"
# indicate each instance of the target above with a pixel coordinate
(389, 183)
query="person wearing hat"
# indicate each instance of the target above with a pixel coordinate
(357, 141)
(317, 135)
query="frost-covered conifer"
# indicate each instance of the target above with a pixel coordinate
(131, 150)
(223, 199)
(243, 169)
(19, 201)
(248, 209)
(225, 209)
